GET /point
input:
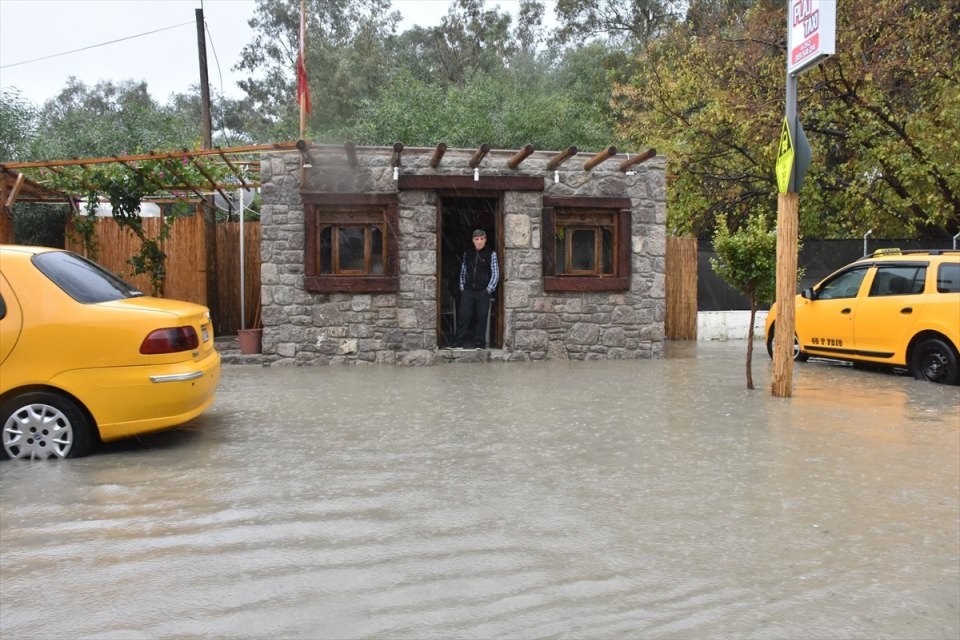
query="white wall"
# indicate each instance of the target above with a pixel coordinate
(729, 325)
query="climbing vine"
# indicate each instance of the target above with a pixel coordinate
(125, 187)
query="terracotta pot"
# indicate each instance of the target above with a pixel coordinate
(249, 340)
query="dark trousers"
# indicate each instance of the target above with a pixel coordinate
(472, 314)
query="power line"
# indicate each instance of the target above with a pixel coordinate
(93, 46)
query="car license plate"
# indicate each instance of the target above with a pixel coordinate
(204, 332)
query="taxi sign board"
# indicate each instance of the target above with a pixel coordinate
(785, 157)
(811, 33)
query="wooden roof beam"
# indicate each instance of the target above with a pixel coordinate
(213, 183)
(635, 160)
(478, 155)
(196, 153)
(14, 191)
(395, 156)
(236, 171)
(607, 153)
(520, 156)
(438, 155)
(351, 149)
(561, 157)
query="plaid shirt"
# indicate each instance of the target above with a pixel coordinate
(494, 273)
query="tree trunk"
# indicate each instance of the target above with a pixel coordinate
(753, 315)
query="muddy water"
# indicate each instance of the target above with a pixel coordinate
(641, 499)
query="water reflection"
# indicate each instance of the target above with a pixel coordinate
(572, 500)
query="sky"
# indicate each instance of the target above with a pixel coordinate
(154, 41)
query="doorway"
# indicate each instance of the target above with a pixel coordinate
(459, 216)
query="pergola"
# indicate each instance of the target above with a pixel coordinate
(33, 181)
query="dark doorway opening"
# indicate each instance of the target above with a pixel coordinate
(459, 216)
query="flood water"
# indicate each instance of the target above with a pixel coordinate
(626, 499)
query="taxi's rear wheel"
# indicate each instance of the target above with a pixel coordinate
(935, 360)
(41, 425)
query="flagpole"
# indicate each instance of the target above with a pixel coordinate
(302, 94)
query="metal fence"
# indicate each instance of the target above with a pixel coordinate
(817, 259)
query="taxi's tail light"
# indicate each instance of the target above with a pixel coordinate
(170, 340)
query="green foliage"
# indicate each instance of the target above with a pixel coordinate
(125, 193)
(882, 118)
(39, 224)
(627, 23)
(747, 258)
(18, 123)
(84, 227)
(345, 60)
(702, 81)
(507, 111)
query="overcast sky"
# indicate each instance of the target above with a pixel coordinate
(154, 41)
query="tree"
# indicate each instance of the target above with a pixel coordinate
(35, 224)
(505, 110)
(622, 23)
(18, 122)
(747, 260)
(110, 119)
(882, 118)
(345, 55)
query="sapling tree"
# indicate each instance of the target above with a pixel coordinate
(747, 260)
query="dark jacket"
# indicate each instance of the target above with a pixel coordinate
(477, 268)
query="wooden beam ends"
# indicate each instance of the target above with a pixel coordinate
(351, 149)
(438, 155)
(395, 156)
(609, 152)
(561, 157)
(305, 156)
(635, 160)
(520, 156)
(479, 155)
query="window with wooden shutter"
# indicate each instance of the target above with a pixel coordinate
(351, 243)
(586, 244)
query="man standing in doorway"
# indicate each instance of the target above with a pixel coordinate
(479, 274)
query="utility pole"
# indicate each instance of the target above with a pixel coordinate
(206, 133)
(811, 38)
(209, 211)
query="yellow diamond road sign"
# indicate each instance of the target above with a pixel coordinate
(784, 159)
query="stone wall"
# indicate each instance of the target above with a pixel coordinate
(300, 327)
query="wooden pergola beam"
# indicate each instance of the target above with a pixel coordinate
(561, 157)
(256, 148)
(520, 156)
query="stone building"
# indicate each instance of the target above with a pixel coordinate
(361, 249)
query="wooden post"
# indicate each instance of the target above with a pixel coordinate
(788, 207)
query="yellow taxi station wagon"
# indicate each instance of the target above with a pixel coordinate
(894, 308)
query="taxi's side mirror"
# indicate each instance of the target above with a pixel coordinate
(808, 294)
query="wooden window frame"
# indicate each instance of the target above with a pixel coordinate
(353, 209)
(558, 207)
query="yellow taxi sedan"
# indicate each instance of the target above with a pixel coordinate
(894, 308)
(86, 358)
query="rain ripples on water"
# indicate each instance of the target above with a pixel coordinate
(625, 499)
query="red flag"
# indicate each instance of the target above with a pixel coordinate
(303, 89)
